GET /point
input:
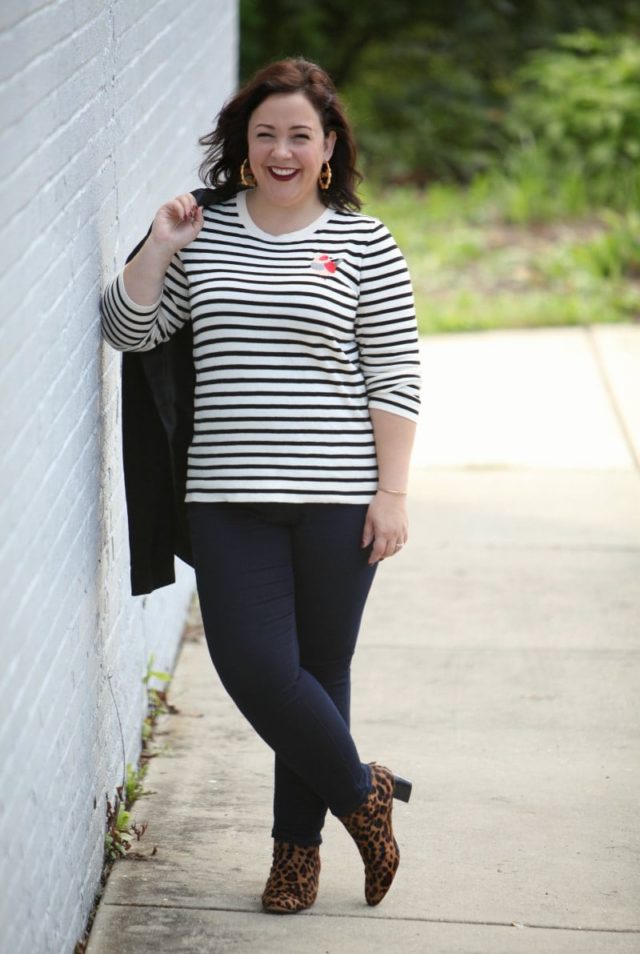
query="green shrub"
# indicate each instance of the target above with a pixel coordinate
(422, 112)
(616, 253)
(474, 270)
(575, 121)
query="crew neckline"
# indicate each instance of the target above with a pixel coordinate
(253, 229)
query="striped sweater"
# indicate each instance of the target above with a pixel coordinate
(295, 337)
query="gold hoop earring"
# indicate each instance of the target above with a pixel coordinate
(247, 177)
(324, 179)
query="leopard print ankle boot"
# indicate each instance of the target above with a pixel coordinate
(292, 884)
(370, 827)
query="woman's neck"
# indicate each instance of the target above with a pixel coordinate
(279, 220)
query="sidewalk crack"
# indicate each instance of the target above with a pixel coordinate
(611, 394)
(517, 925)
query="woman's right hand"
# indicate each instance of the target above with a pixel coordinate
(177, 223)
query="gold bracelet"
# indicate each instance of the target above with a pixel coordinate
(399, 493)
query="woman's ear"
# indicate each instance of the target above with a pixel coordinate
(329, 144)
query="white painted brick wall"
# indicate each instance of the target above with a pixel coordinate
(101, 106)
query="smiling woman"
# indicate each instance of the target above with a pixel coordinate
(287, 150)
(304, 346)
(284, 84)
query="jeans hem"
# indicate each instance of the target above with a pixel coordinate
(348, 807)
(305, 841)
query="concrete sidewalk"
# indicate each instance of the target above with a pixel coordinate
(498, 667)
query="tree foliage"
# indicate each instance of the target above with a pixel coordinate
(491, 33)
(581, 98)
(428, 85)
(574, 128)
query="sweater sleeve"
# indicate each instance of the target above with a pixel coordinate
(386, 328)
(128, 326)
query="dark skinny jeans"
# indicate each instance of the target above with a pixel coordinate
(282, 589)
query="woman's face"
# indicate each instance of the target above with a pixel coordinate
(287, 147)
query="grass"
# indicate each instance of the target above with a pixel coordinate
(481, 259)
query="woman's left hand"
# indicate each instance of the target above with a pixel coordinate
(386, 526)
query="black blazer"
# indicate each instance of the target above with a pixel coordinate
(157, 425)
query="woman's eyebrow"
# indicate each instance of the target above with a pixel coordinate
(270, 126)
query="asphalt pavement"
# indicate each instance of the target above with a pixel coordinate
(498, 667)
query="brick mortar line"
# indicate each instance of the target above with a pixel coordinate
(49, 52)
(23, 17)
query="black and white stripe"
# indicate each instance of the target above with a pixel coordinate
(289, 356)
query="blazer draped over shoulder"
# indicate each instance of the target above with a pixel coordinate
(157, 426)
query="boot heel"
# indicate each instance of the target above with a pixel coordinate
(401, 788)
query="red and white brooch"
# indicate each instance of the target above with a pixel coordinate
(324, 264)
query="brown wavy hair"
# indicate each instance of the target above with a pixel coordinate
(226, 146)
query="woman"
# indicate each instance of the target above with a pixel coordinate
(306, 395)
